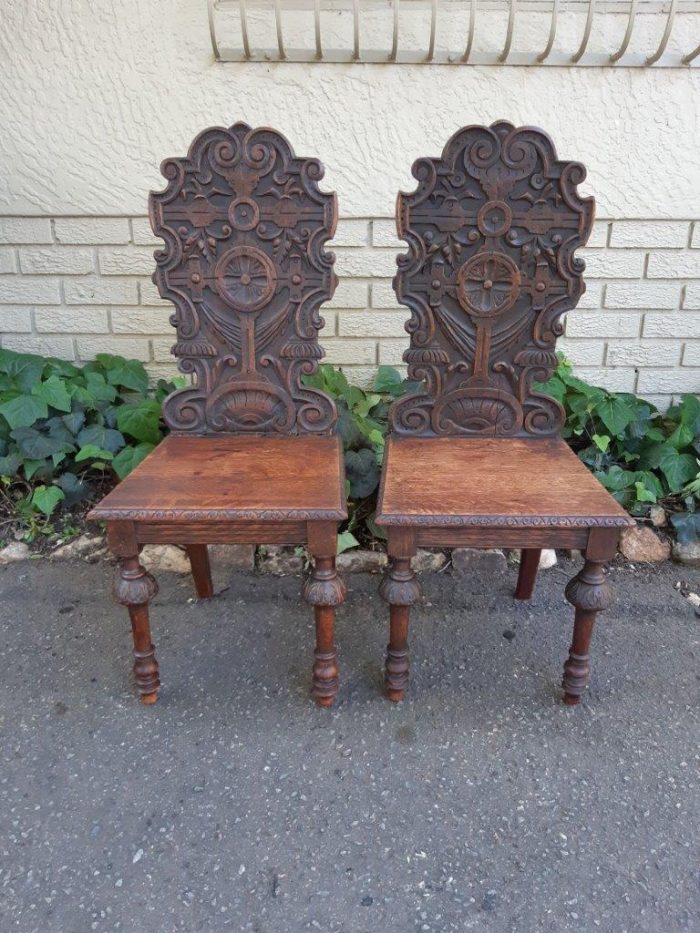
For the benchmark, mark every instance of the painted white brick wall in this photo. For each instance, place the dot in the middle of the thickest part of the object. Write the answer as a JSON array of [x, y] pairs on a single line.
[[77, 286]]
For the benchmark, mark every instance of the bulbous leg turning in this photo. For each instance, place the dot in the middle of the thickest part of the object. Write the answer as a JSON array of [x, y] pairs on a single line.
[[134, 587], [401, 590], [590, 593], [324, 590]]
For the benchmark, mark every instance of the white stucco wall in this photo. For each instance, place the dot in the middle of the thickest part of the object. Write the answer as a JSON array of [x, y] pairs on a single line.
[[95, 94]]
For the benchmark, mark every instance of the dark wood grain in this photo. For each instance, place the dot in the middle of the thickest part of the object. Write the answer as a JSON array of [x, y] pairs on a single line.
[[492, 231], [474, 459], [252, 457], [244, 224], [527, 572], [228, 477], [492, 482]]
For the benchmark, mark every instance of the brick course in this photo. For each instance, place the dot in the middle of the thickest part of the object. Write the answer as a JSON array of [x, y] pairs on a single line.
[[76, 286]]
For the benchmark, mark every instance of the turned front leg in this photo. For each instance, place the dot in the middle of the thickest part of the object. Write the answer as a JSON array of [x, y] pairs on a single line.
[[590, 593], [134, 587], [324, 590]]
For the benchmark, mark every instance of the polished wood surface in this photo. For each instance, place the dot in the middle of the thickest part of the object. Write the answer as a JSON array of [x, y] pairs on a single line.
[[475, 459], [232, 477], [492, 232], [491, 481], [245, 225], [252, 457]]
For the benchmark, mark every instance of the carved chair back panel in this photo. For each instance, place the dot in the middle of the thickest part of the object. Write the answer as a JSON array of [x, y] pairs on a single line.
[[492, 232], [244, 225]]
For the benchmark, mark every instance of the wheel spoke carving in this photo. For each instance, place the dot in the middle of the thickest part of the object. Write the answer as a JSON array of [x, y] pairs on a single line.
[[492, 230], [244, 224]]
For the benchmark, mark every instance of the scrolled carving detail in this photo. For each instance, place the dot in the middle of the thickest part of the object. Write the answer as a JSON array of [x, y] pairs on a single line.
[[492, 231], [245, 225]]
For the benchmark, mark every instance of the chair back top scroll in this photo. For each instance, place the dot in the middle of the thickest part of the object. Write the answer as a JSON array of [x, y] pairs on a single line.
[[244, 225], [492, 231]]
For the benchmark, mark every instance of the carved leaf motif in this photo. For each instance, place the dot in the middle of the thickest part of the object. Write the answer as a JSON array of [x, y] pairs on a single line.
[[492, 231], [244, 224]]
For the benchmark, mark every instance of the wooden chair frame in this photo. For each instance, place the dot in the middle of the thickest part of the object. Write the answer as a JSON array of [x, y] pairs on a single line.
[[252, 456], [492, 232]]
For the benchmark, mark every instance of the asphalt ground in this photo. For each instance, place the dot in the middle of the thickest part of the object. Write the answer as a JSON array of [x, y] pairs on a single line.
[[234, 803]]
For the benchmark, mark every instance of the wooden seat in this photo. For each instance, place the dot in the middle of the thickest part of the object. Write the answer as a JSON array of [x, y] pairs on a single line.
[[475, 459], [252, 456], [493, 483], [232, 479]]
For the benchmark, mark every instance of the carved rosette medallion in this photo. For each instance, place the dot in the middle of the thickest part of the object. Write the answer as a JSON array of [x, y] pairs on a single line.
[[494, 218], [488, 284], [492, 233], [246, 278], [244, 225]]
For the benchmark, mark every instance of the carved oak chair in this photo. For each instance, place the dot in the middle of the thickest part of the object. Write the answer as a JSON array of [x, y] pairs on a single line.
[[477, 460], [252, 456]]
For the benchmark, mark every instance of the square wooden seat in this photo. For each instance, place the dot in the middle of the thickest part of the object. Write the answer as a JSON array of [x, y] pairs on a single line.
[[231, 479], [518, 484]]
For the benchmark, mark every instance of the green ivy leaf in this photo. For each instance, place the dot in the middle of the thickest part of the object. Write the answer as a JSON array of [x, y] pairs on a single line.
[[54, 392], [91, 452], [602, 441], [130, 374], [643, 494], [74, 421], [687, 525], [24, 369], [75, 488], [34, 445], [362, 470], [10, 463], [347, 540], [98, 388], [388, 379], [100, 436], [615, 413], [141, 420], [678, 468], [23, 410], [46, 498], [129, 458], [41, 468]]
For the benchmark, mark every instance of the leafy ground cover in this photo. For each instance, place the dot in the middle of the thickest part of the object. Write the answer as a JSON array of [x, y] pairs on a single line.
[[68, 433]]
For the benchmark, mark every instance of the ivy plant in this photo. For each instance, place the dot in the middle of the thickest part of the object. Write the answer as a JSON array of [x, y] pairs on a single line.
[[64, 428], [642, 456], [362, 425]]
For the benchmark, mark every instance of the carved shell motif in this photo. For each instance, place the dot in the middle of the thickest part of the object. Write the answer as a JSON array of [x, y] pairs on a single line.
[[244, 224], [492, 232]]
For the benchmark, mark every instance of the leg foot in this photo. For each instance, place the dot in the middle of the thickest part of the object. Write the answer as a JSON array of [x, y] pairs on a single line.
[[201, 572], [133, 588], [401, 590], [590, 593], [529, 562], [324, 590]]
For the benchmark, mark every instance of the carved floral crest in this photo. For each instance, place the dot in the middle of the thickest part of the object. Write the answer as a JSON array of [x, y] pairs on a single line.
[[244, 225], [492, 232]]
